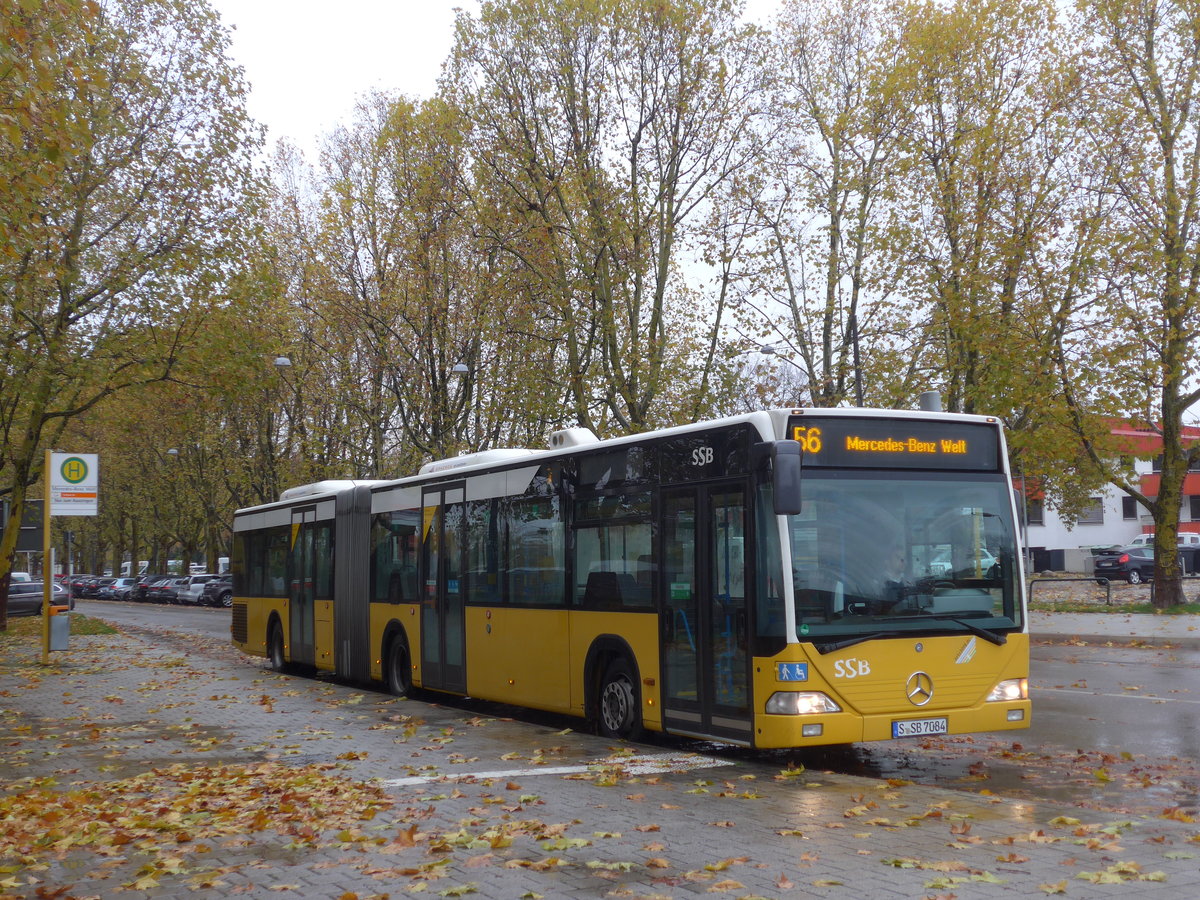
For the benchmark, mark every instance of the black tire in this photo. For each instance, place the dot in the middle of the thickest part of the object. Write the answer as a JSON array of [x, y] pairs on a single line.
[[1134, 576], [226, 599], [275, 649], [619, 711], [397, 671]]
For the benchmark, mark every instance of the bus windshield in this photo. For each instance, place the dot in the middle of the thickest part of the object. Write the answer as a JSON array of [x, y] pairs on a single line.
[[898, 552]]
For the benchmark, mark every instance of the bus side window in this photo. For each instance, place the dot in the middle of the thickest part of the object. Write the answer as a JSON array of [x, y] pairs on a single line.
[[769, 614], [394, 556], [536, 553]]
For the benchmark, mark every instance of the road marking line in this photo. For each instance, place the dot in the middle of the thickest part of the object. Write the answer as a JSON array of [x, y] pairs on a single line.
[[1130, 695], [631, 765]]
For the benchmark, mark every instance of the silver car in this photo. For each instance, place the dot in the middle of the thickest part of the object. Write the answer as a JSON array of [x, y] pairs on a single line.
[[191, 588]]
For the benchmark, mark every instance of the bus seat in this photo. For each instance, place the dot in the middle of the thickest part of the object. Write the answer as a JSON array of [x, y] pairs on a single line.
[[603, 590]]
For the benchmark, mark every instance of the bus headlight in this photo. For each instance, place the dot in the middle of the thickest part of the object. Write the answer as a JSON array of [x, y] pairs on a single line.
[[800, 703], [1013, 689]]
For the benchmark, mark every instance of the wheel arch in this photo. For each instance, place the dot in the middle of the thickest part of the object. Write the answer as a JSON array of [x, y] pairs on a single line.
[[394, 630], [275, 620], [395, 635], [603, 650]]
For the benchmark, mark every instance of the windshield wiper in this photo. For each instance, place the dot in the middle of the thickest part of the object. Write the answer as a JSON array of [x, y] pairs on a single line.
[[993, 636], [857, 639]]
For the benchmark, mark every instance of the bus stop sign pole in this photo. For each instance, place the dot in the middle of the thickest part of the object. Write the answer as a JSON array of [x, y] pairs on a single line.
[[47, 571], [72, 489]]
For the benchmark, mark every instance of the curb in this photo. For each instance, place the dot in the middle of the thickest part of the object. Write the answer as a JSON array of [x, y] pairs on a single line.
[[1149, 641]]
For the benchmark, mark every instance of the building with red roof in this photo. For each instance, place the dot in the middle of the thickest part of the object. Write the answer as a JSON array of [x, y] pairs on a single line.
[[1113, 518]]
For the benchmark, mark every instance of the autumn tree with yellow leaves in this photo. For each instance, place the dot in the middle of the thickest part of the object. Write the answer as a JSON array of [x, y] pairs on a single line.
[[127, 158]]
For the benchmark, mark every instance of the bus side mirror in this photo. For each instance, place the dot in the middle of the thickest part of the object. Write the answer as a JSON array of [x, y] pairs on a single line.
[[785, 463]]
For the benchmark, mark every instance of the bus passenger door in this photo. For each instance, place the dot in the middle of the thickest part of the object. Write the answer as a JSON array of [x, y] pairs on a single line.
[[443, 641], [704, 629], [301, 576]]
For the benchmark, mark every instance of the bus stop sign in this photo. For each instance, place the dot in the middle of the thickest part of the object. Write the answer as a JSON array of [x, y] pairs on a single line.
[[74, 484]]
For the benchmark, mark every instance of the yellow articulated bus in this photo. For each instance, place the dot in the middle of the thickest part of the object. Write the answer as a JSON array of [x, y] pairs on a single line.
[[783, 578]]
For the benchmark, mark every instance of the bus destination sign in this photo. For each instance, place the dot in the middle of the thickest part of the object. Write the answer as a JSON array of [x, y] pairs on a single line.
[[895, 443]]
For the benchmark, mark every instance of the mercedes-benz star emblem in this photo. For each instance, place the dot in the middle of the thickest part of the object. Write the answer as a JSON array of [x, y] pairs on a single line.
[[919, 688]]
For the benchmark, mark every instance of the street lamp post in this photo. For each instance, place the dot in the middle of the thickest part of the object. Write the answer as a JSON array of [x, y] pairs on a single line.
[[770, 350], [457, 408]]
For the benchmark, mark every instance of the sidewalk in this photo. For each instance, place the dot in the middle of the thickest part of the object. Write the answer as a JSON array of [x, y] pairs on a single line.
[[1130, 629], [150, 765]]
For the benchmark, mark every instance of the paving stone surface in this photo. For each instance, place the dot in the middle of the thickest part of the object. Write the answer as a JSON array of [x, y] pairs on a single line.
[[149, 764]]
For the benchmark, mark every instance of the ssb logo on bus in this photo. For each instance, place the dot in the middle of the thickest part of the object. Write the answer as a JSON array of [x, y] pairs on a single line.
[[851, 668], [703, 456]]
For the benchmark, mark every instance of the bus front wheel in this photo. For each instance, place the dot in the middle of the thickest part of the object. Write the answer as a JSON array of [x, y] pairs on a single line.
[[620, 714], [399, 670]]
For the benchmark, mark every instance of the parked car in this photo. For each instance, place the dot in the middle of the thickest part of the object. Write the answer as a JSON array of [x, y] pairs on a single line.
[[14, 577], [101, 584], [163, 590], [140, 591], [172, 588], [118, 589], [1188, 539], [218, 591], [1135, 564], [25, 598], [191, 588], [80, 583], [940, 564], [153, 587]]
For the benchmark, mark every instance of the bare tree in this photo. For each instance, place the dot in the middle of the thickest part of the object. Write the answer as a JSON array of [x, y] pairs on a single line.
[[605, 127]]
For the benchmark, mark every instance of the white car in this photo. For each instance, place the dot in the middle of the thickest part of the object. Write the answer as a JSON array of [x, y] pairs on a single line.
[[1190, 539], [191, 589], [940, 564], [19, 577]]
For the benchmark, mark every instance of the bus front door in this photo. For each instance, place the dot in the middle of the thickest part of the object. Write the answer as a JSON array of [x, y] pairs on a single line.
[[443, 656], [301, 577], [704, 629]]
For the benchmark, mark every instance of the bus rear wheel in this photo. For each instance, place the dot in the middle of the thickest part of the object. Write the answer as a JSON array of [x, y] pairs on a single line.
[[620, 713], [275, 648], [398, 671]]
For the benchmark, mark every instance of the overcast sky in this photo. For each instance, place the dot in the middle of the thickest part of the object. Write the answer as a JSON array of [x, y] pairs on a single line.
[[307, 60]]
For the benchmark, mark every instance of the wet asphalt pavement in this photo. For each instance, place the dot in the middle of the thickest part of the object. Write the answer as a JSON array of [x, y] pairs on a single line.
[[465, 801]]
